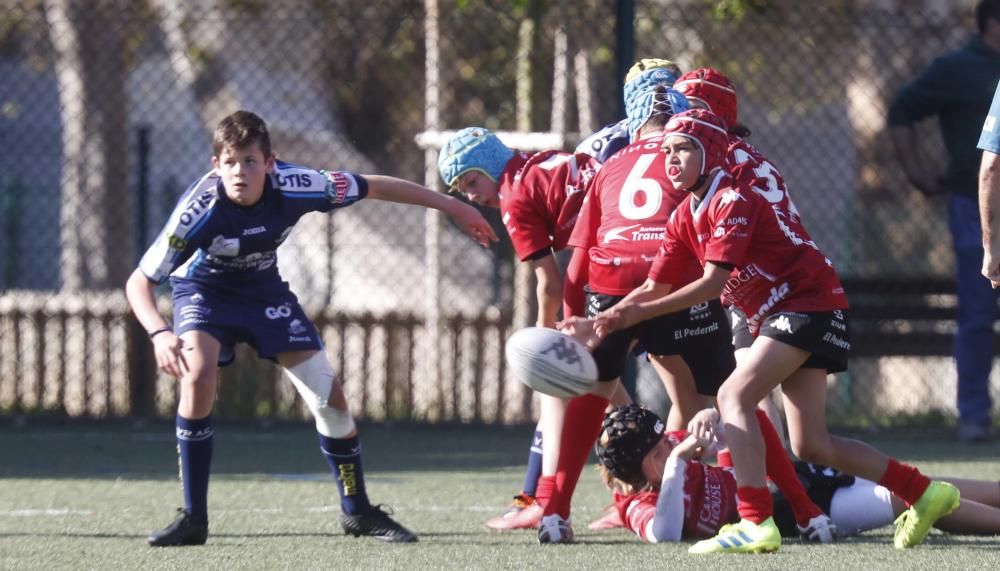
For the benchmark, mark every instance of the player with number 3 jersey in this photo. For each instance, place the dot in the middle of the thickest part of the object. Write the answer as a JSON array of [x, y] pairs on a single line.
[[756, 253]]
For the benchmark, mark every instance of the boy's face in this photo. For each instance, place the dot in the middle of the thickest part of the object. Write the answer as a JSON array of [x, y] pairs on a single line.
[[683, 161], [652, 464], [243, 173], [479, 188]]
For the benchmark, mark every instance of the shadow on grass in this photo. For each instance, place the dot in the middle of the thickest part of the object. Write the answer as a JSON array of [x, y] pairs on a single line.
[[90, 449], [100, 450]]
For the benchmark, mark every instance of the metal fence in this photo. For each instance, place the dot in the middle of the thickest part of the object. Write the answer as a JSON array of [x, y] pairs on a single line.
[[106, 113]]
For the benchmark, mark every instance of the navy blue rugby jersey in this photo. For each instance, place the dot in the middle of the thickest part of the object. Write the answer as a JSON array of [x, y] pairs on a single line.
[[606, 142], [212, 240]]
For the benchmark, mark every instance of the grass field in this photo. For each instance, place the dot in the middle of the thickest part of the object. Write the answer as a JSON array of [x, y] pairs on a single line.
[[84, 496]]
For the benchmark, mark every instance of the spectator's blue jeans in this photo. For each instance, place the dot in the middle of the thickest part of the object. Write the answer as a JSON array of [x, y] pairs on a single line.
[[977, 310]]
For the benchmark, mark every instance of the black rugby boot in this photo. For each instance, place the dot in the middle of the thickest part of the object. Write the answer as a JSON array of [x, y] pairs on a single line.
[[376, 523], [183, 531]]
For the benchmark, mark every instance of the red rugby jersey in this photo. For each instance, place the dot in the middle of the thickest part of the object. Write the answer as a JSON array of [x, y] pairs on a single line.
[[709, 502], [623, 216], [540, 197], [777, 266]]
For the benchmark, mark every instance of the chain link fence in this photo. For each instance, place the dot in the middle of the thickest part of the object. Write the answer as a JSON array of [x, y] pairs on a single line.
[[106, 114]]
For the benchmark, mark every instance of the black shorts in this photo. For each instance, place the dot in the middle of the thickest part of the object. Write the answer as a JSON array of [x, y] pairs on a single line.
[[700, 335], [742, 339], [820, 483], [826, 335]]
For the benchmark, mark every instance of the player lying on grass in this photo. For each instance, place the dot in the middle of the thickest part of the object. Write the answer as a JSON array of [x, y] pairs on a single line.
[[664, 492]]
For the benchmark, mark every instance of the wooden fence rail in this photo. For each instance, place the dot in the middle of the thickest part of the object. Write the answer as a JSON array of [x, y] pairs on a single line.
[[84, 355]]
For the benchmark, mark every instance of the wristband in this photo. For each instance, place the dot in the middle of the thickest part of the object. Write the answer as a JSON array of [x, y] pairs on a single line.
[[160, 330]]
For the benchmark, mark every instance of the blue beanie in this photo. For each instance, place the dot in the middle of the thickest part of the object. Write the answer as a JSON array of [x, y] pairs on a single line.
[[640, 97], [473, 148]]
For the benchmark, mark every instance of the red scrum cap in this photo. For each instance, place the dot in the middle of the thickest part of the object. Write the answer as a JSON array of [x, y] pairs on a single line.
[[712, 89], [708, 132]]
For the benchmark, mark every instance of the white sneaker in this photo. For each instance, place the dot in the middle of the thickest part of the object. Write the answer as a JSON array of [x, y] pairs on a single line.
[[554, 529], [820, 529]]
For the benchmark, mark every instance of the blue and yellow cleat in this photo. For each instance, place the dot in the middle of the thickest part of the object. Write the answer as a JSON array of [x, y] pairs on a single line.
[[913, 525], [742, 537]]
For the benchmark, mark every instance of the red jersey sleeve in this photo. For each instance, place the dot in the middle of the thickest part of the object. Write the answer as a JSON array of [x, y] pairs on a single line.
[[674, 258], [637, 511], [733, 214], [527, 223]]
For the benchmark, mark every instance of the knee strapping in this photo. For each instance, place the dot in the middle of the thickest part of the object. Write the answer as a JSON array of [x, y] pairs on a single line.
[[313, 378]]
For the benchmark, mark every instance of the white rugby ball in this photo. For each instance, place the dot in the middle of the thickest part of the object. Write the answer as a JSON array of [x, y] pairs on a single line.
[[551, 362]]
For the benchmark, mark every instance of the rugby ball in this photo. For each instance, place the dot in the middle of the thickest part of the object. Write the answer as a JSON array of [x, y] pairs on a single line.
[[551, 362]]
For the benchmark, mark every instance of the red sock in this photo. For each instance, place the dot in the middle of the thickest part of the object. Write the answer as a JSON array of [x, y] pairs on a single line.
[[782, 473], [580, 430], [905, 481], [755, 504], [543, 492]]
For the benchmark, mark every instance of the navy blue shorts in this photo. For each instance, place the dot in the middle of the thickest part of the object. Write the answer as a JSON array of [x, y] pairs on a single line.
[[700, 335], [270, 321]]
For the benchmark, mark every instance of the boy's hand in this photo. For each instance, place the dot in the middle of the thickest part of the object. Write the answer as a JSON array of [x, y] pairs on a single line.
[[581, 329], [689, 448], [702, 426], [169, 359], [472, 223], [621, 316]]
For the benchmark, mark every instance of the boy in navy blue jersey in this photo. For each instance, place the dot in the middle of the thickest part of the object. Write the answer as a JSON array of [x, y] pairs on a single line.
[[219, 249]]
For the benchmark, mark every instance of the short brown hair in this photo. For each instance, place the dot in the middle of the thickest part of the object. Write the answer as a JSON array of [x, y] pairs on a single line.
[[239, 130]]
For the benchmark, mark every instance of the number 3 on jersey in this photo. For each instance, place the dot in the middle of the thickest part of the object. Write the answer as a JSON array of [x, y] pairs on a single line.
[[638, 188], [775, 182]]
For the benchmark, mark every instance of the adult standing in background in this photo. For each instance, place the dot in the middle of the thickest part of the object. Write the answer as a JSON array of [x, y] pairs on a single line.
[[957, 88]]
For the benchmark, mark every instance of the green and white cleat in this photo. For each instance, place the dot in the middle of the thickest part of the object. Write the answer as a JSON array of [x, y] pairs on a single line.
[[742, 537], [913, 525]]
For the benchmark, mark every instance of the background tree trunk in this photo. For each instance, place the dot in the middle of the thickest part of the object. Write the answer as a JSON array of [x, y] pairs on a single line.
[[90, 70]]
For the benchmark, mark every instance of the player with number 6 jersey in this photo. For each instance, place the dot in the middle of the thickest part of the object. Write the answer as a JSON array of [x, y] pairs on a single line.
[[614, 243]]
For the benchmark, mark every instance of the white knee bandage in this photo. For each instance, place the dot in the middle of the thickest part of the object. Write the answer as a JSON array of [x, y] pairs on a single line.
[[313, 378]]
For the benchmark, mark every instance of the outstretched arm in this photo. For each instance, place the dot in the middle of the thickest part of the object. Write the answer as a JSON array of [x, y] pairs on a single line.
[[467, 218], [639, 308]]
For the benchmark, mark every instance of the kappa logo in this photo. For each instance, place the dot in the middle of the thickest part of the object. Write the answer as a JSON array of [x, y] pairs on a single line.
[[565, 352], [730, 196], [782, 324]]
